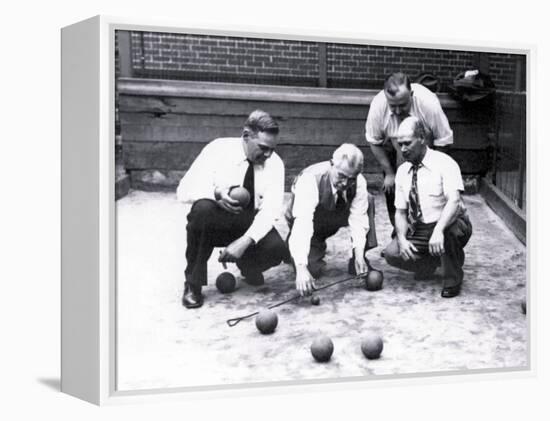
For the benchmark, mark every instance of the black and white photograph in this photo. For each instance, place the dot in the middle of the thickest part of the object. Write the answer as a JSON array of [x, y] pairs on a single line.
[[302, 210], [275, 210]]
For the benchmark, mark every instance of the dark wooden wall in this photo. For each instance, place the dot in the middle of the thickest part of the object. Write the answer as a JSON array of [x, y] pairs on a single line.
[[165, 124]]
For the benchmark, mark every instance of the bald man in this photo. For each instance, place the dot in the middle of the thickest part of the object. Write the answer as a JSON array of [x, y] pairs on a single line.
[[432, 227]]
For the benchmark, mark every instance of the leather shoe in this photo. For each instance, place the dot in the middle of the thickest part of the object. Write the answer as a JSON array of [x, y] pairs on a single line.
[[191, 298], [450, 292], [254, 279]]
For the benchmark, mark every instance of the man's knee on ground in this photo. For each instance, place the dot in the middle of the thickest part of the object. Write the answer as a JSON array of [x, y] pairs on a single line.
[[274, 248], [315, 269], [391, 254]]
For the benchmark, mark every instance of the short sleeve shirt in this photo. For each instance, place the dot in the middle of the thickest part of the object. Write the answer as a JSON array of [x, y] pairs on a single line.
[[382, 124], [438, 176]]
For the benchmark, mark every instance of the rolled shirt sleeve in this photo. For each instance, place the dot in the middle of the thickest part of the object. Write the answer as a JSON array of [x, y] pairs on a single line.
[[199, 180], [306, 199], [358, 218], [452, 177], [374, 126], [437, 121], [269, 197]]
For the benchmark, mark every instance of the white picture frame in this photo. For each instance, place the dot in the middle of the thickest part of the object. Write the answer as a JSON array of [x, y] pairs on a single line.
[[89, 217]]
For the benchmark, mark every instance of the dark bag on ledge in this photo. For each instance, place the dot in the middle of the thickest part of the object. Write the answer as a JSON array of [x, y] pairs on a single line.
[[471, 86]]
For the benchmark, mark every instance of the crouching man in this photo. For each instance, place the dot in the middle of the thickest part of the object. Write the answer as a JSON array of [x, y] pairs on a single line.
[[431, 224], [325, 197], [217, 220]]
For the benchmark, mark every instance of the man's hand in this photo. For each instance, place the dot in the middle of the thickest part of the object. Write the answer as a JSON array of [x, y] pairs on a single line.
[[436, 244], [360, 263], [407, 250], [227, 203], [389, 183], [236, 249], [305, 284]]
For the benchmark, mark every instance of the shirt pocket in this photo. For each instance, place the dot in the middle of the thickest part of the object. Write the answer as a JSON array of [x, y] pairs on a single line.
[[434, 187]]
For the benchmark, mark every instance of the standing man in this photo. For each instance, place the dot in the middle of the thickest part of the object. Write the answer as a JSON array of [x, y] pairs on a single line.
[[217, 220], [431, 224], [388, 109], [325, 197]]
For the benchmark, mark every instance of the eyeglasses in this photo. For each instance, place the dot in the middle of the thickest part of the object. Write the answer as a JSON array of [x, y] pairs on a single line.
[[343, 177]]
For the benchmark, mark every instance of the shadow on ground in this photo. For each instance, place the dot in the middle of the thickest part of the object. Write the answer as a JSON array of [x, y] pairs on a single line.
[[52, 383]]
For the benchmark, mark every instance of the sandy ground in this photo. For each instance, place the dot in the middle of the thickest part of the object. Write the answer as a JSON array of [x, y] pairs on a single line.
[[161, 344]]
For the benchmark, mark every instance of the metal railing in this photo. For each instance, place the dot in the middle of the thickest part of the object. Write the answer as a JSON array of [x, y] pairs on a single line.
[[509, 168]]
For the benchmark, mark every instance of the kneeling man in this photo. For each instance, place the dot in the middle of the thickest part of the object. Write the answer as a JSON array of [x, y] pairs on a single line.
[[431, 224], [217, 220], [325, 197]]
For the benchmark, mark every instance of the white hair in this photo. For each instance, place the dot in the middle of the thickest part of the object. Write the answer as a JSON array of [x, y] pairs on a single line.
[[349, 154]]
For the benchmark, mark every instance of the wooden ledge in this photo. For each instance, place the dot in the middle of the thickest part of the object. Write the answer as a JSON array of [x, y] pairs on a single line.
[[247, 92]]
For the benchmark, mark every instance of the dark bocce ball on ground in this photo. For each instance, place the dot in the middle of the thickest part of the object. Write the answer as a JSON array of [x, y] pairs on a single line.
[[266, 321], [372, 346], [374, 280], [315, 300], [226, 282], [241, 194], [322, 349]]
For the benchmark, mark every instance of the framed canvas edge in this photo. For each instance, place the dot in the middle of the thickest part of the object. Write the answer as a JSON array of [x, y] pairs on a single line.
[[107, 305]]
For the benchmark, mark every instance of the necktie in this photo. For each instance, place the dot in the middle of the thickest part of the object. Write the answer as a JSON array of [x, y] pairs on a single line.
[[248, 183], [340, 201], [415, 213]]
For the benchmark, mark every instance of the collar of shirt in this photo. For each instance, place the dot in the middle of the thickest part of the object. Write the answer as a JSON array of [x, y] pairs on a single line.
[[242, 156], [427, 161], [335, 193]]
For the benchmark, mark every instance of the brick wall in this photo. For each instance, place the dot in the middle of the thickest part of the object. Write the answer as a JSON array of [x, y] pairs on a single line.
[[226, 59], [367, 65], [252, 60]]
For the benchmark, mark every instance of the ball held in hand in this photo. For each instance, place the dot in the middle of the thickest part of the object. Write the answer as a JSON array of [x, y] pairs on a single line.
[[241, 195]]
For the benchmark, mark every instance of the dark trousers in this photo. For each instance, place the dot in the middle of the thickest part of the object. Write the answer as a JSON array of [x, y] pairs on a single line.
[[209, 226], [390, 196], [456, 237], [325, 225]]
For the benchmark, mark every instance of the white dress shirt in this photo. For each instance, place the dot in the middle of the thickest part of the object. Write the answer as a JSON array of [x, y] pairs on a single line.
[[382, 124], [306, 199], [438, 175], [222, 163]]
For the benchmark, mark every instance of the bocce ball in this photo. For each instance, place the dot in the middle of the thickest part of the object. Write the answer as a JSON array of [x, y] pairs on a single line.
[[241, 195], [374, 280], [524, 306], [372, 346], [315, 300], [322, 349], [266, 321], [226, 282]]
